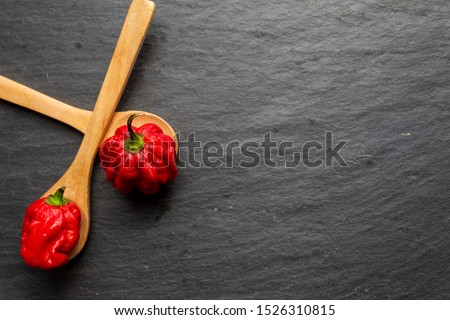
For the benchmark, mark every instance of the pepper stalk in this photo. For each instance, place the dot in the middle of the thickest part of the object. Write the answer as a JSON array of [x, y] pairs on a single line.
[[135, 142], [57, 199]]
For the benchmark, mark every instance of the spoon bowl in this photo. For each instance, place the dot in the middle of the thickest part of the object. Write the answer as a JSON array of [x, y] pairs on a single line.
[[120, 119]]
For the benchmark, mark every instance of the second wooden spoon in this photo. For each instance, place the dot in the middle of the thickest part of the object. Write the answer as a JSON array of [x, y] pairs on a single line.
[[77, 178], [75, 117]]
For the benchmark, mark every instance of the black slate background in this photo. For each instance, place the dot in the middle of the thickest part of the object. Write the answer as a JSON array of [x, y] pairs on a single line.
[[376, 73]]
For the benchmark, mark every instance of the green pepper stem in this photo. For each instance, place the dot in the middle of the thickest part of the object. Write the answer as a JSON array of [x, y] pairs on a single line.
[[130, 127], [134, 143], [57, 199]]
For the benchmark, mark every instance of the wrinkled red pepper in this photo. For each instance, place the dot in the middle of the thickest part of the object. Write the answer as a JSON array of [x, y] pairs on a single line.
[[50, 230], [142, 158]]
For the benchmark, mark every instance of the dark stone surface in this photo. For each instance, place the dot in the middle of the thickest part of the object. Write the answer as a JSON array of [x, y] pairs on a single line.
[[374, 72]]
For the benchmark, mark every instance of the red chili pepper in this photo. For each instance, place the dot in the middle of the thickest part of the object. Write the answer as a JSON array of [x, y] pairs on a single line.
[[142, 158], [50, 230]]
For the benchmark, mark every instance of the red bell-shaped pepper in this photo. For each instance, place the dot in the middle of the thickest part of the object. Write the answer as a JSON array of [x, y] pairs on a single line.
[[50, 230], [142, 158]]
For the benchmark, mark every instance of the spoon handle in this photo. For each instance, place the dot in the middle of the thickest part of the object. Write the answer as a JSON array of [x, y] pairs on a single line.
[[127, 49], [31, 99]]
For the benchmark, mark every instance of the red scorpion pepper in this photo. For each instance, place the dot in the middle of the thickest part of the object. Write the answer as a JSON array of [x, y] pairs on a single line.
[[50, 230], [142, 158]]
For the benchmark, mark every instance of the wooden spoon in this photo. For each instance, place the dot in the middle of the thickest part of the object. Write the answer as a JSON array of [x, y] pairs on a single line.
[[77, 118], [77, 177]]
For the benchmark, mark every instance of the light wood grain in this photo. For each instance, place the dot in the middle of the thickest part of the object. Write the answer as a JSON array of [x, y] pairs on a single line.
[[77, 177], [24, 96], [31, 99]]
